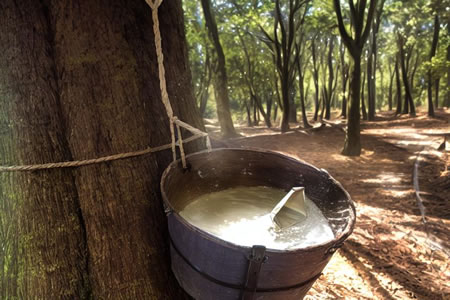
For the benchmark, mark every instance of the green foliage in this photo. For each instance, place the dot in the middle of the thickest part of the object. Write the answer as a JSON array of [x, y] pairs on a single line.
[[240, 22]]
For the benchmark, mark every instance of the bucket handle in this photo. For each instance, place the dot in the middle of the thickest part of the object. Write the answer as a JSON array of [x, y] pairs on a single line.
[[255, 261]]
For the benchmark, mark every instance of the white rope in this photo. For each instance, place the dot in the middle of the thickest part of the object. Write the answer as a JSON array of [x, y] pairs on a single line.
[[154, 5], [180, 144], [85, 162]]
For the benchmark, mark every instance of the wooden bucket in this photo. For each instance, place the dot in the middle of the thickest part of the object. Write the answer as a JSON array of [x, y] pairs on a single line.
[[210, 268]]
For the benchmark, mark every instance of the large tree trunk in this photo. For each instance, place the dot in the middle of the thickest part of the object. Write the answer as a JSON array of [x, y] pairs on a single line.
[[220, 77], [82, 82], [43, 249]]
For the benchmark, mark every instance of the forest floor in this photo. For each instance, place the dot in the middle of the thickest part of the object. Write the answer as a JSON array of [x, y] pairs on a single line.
[[392, 253]]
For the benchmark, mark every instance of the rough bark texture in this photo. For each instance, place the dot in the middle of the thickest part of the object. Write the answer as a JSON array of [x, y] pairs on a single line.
[[88, 86], [352, 146], [42, 234], [220, 78]]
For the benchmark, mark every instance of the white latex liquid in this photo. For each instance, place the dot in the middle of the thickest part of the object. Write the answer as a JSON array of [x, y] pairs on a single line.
[[241, 215]]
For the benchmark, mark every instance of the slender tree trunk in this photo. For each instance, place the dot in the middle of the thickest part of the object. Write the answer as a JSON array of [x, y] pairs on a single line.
[[323, 102], [447, 98], [391, 84], [399, 87], [409, 104], [269, 103], [379, 99], [302, 99], [98, 231], [292, 105], [249, 115], [434, 44], [363, 101], [285, 98], [315, 79], [258, 104], [203, 95], [275, 112], [370, 85], [255, 112], [220, 78], [330, 79], [436, 91], [203, 101]]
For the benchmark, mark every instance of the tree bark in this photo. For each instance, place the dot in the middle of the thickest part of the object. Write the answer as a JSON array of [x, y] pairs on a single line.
[[434, 44], [352, 145], [43, 249], [329, 94], [220, 78], [372, 63], [391, 85], [345, 71], [409, 104], [315, 79], [361, 26], [363, 101], [447, 98], [88, 87], [301, 88], [399, 87], [292, 105]]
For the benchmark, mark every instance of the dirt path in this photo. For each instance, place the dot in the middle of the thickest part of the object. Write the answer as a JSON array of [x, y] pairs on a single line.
[[391, 254]]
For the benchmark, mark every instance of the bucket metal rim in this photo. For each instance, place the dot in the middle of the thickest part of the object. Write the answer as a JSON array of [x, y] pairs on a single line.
[[332, 245]]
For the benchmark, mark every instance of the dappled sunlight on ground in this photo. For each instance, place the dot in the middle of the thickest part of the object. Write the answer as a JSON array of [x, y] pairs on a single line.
[[392, 254]]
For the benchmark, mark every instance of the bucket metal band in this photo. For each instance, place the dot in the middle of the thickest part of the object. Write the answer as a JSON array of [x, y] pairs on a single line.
[[237, 286]]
